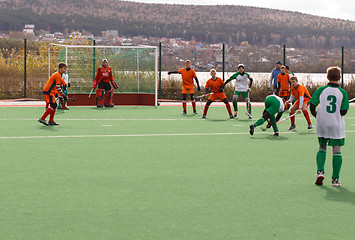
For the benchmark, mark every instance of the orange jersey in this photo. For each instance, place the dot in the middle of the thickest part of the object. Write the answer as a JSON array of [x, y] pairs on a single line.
[[187, 76], [103, 74], [215, 85], [53, 84], [284, 81], [300, 91]]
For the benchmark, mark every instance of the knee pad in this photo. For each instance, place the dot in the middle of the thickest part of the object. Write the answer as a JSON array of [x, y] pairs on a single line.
[[266, 115], [99, 97], [53, 105], [225, 101]]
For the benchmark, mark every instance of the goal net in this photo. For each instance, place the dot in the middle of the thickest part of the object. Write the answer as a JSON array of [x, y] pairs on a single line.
[[134, 68]]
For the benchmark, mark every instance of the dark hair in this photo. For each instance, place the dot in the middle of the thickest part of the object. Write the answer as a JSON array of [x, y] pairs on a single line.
[[287, 67], [61, 65], [334, 73], [294, 78]]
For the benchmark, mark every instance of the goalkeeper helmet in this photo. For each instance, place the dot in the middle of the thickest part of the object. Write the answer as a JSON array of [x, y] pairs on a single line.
[[104, 60], [241, 65]]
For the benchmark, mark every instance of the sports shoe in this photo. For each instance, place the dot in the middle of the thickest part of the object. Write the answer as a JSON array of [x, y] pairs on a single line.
[[320, 177], [235, 114], [184, 112], [252, 127], [292, 127], [310, 126], [203, 116], [43, 121], [66, 108], [100, 106], [195, 112], [249, 115], [335, 182], [53, 123], [275, 134], [59, 107], [231, 116]]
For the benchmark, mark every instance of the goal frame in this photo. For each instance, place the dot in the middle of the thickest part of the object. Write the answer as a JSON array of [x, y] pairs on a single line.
[[66, 46]]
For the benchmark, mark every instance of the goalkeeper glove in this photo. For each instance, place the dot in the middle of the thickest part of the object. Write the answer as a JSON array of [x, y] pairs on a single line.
[[114, 84]]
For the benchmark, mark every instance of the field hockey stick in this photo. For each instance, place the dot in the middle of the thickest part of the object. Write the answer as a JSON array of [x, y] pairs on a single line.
[[205, 95], [352, 100], [72, 99], [91, 92], [282, 120]]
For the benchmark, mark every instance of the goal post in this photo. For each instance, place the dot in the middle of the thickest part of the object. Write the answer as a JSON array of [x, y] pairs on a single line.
[[134, 69]]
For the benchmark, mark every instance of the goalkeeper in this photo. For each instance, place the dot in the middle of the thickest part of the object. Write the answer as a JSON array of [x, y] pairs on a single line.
[[273, 104], [102, 82]]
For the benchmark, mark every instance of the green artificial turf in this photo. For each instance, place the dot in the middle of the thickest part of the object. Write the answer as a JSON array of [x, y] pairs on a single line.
[[152, 173]]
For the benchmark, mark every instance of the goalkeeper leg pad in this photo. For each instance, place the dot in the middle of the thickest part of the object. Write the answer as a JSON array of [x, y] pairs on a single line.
[[109, 99], [99, 97]]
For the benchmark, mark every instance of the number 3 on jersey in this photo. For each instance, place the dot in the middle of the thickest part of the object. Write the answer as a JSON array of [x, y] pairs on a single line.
[[332, 104]]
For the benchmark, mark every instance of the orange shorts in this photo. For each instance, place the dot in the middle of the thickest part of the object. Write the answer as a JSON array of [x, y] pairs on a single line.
[[188, 89], [284, 93], [216, 96], [305, 101], [49, 98]]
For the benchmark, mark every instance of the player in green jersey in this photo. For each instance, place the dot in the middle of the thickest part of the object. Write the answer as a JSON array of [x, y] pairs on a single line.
[[273, 105], [333, 104]]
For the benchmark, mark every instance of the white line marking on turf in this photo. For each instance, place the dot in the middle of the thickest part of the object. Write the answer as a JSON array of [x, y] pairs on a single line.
[[151, 135], [107, 125], [238, 125]]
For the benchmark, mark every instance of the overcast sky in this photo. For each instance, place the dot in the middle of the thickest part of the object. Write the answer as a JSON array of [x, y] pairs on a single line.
[[343, 9]]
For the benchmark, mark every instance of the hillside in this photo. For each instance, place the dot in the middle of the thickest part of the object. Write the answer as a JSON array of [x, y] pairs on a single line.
[[230, 24]]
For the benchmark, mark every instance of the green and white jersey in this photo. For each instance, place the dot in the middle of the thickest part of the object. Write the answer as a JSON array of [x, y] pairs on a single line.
[[281, 102], [329, 122], [276, 103], [241, 84], [65, 77]]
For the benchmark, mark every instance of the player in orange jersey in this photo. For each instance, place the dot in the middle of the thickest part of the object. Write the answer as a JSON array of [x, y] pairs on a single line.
[[215, 84], [53, 87], [102, 82], [302, 96], [188, 75], [283, 83]]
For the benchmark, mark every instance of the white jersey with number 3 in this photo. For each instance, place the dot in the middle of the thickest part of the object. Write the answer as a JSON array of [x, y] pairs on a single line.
[[329, 122]]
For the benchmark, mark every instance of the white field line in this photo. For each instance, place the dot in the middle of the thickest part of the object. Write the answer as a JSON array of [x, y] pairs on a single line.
[[127, 119], [149, 135]]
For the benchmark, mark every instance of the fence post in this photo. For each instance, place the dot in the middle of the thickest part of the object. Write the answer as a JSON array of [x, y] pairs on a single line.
[[342, 66], [223, 62], [159, 70], [284, 59], [25, 67], [93, 61]]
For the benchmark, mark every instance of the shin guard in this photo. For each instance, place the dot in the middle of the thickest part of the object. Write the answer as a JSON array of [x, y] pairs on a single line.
[[99, 97], [109, 98]]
